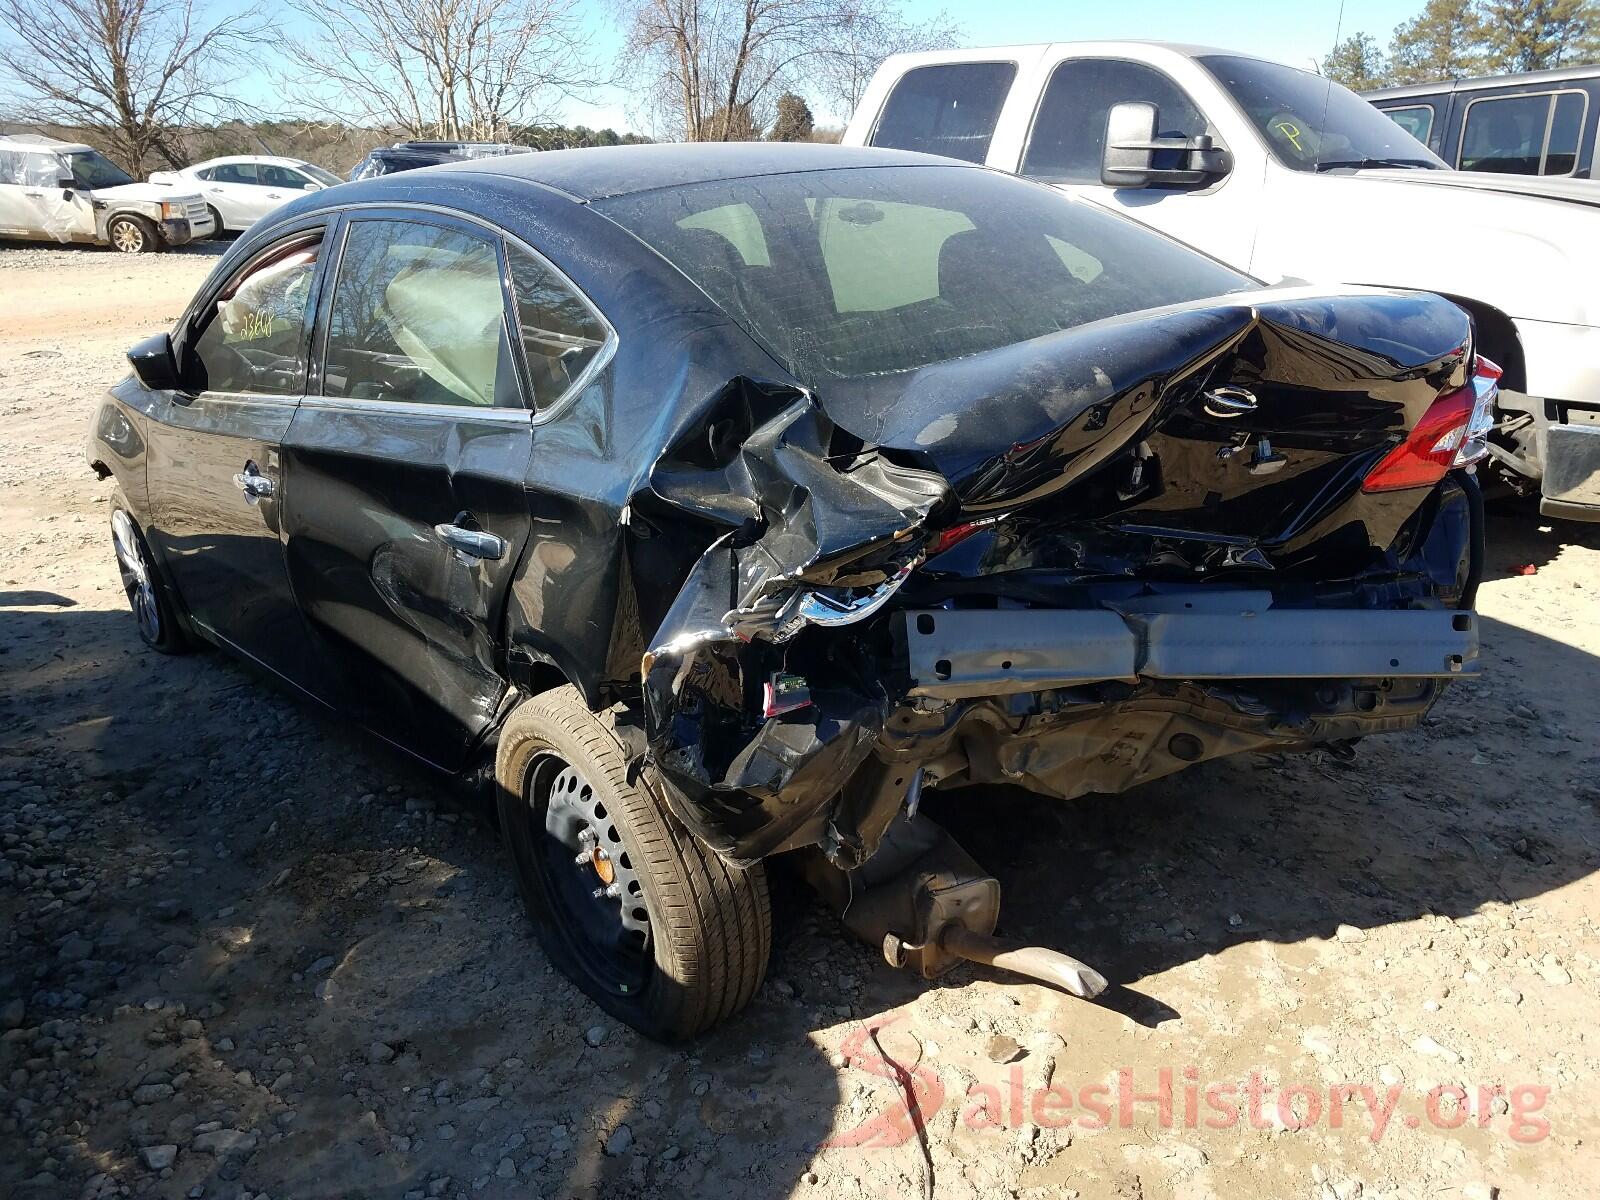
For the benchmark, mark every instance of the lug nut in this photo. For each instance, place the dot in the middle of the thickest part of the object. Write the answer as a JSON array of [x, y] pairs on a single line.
[[607, 893]]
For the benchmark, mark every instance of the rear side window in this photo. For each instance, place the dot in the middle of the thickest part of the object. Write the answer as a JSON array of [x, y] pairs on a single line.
[[1415, 119], [273, 175], [949, 109], [234, 173], [1523, 135], [560, 333], [1069, 134], [255, 340], [419, 317]]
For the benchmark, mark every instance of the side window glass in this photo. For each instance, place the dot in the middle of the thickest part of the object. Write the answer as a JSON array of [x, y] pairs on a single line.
[[1416, 119], [949, 109], [1566, 129], [272, 175], [1505, 135], [560, 333], [1069, 133], [42, 170], [206, 173], [255, 341], [234, 173], [419, 318]]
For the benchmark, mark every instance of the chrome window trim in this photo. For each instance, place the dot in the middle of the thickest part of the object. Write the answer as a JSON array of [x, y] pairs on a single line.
[[415, 409], [1550, 98], [1401, 108], [536, 417]]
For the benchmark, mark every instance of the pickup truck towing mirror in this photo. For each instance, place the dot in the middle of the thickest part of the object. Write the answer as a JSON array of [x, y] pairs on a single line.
[[1131, 145]]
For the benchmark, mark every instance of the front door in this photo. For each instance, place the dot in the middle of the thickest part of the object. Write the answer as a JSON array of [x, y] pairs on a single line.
[[1066, 145], [215, 459], [406, 513], [33, 203]]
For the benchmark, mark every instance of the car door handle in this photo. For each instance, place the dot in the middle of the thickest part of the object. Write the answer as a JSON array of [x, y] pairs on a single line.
[[472, 542], [254, 485]]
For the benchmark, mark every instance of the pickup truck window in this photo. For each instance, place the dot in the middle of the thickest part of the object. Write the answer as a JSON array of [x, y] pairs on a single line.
[[1069, 133], [1313, 124], [1506, 135], [870, 270], [949, 109], [1415, 119]]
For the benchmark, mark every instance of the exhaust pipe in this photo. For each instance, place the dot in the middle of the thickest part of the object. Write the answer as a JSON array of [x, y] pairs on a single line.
[[923, 900]]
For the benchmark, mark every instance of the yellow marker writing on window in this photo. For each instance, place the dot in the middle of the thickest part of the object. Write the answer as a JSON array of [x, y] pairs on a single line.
[[1292, 132]]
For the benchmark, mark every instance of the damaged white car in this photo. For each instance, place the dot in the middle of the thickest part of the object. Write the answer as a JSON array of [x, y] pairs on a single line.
[[69, 192]]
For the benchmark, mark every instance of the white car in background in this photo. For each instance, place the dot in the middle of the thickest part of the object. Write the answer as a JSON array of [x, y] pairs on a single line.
[[70, 192], [242, 189]]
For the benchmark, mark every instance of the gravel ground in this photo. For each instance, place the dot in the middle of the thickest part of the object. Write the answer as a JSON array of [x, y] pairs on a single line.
[[245, 952]]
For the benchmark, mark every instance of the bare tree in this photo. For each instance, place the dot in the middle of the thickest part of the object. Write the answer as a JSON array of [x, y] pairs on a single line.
[[442, 68], [697, 61], [131, 73], [866, 35]]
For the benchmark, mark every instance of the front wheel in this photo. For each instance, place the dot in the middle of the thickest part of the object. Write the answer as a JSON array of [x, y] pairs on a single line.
[[147, 594], [658, 930], [129, 234]]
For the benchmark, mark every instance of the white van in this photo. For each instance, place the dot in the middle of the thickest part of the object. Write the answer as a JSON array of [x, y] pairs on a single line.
[[69, 192], [1285, 175]]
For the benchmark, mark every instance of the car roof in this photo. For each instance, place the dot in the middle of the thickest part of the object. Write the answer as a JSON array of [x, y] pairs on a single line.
[[271, 159], [596, 172], [41, 142]]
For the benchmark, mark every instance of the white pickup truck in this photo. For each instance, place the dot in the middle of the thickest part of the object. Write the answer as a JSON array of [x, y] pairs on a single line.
[[1284, 175]]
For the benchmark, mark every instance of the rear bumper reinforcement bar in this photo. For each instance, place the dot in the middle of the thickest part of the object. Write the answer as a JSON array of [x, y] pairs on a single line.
[[957, 653]]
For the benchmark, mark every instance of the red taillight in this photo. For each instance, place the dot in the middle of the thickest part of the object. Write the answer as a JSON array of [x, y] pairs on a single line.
[[1452, 433], [946, 538]]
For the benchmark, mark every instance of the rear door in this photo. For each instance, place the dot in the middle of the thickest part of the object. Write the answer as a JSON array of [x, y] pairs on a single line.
[[230, 188], [215, 456], [407, 512]]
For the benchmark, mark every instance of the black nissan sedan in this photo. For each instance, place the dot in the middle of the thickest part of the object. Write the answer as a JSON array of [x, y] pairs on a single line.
[[729, 498]]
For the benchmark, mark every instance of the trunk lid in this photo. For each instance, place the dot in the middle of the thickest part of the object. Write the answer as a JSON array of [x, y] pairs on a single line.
[[1230, 417]]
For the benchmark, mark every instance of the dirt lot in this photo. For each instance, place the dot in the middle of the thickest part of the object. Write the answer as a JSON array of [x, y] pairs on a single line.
[[245, 952]]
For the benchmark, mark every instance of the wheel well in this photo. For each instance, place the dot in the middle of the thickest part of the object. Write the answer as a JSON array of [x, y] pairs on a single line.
[[1497, 337]]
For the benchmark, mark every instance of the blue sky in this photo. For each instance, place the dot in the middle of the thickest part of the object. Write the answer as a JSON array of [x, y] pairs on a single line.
[[1296, 33]]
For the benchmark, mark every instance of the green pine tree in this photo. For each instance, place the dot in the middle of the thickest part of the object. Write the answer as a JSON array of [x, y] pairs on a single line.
[[1357, 63], [1444, 41], [1536, 35]]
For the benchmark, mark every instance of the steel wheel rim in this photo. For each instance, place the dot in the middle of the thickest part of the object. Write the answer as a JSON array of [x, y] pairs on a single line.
[[135, 573], [609, 935], [127, 237]]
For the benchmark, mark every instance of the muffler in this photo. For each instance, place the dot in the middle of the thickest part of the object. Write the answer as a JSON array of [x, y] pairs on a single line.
[[928, 905]]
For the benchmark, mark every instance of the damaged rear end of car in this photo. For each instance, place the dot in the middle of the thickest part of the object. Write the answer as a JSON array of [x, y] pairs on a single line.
[[1076, 564]]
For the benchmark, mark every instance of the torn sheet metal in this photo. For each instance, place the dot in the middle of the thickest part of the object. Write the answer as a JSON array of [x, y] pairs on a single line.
[[1098, 450]]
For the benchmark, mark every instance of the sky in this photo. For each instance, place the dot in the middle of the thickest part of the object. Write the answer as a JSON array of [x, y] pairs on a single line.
[[1297, 33]]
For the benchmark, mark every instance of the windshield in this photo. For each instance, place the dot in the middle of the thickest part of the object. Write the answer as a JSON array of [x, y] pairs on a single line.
[[91, 169], [325, 177], [1312, 123], [862, 271]]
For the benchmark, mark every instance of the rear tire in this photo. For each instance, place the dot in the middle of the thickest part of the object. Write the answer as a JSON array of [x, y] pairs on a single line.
[[131, 234], [682, 941]]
